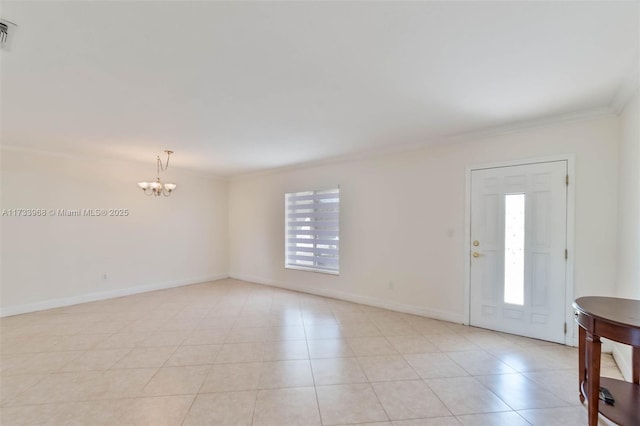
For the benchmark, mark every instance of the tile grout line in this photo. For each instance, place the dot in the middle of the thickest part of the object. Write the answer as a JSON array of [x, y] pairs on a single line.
[[313, 377]]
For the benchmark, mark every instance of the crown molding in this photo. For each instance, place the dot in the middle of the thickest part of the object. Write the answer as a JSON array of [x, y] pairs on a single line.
[[439, 140], [527, 125], [34, 151], [517, 127], [627, 88], [104, 159], [356, 156]]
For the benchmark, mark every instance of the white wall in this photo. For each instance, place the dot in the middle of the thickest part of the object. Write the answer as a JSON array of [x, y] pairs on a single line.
[[413, 202], [402, 218], [628, 282], [53, 261]]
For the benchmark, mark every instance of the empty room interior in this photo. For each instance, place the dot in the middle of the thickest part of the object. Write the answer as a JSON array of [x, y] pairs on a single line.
[[319, 213]]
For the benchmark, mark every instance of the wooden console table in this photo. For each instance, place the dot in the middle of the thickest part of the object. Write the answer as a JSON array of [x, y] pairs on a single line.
[[617, 320]]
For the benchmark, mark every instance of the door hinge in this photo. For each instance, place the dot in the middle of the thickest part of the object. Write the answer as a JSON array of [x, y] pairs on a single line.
[[566, 253], [565, 328], [567, 180]]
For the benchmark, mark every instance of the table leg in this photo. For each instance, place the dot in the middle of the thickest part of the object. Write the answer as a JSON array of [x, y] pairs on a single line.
[[593, 376], [582, 372]]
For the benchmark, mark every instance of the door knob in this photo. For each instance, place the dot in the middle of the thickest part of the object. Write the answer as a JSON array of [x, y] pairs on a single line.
[[476, 254], [476, 243]]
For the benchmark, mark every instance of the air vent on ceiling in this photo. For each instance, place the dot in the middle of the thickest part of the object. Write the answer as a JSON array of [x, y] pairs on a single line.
[[7, 30]]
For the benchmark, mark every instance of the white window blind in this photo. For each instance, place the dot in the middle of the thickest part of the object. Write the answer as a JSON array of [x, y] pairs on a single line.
[[312, 228]]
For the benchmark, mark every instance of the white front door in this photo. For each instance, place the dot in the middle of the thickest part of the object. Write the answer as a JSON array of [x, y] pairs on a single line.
[[518, 249]]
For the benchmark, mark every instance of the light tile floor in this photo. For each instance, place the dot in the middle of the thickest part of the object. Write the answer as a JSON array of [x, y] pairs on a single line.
[[236, 353]]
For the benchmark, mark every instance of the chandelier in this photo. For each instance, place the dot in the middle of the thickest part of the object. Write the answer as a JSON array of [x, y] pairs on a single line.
[[157, 188]]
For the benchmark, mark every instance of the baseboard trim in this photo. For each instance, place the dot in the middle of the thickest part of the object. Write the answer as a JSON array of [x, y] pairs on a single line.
[[356, 298], [102, 295], [623, 362]]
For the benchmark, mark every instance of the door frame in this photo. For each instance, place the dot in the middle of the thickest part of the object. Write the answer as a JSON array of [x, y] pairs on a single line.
[[570, 337]]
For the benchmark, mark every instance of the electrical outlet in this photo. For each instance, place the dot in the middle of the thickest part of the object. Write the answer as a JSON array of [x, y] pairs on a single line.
[[104, 276]]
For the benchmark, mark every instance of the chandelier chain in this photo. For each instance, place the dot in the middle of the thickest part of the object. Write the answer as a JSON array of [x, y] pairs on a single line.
[[158, 188]]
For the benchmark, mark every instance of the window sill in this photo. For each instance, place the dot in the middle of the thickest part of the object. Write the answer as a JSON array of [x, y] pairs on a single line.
[[303, 268]]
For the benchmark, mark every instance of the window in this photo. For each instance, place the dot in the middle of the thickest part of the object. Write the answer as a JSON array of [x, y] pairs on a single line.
[[312, 230], [514, 249]]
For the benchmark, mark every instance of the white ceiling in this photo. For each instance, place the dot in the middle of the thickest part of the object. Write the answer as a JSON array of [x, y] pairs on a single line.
[[237, 87]]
